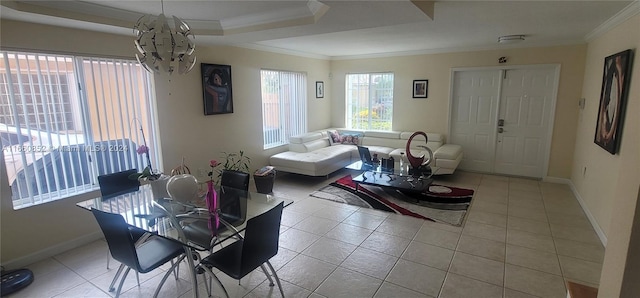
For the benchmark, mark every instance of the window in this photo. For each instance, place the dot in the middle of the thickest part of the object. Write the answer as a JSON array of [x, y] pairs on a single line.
[[65, 120], [369, 99], [284, 106]]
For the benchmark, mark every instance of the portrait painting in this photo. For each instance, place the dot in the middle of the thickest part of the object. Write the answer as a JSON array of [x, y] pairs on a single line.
[[613, 98], [420, 88], [216, 88]]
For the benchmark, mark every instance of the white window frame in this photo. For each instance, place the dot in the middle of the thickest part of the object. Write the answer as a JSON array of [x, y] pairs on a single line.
[[366, 100], [289, 115], [97, 87]]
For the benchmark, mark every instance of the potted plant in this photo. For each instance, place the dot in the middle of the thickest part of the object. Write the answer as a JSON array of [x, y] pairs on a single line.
[[230, 161]]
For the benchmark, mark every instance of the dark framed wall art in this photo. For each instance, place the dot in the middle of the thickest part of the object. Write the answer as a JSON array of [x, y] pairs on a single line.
[[217, 93], [420, 88], [319, 89], [613, 100]]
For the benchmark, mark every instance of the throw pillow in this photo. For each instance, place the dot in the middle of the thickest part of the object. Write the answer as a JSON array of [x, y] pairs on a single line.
[[350, 139], [334, 137]]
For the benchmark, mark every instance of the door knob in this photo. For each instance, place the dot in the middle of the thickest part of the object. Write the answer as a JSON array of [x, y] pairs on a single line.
[[500, 130]]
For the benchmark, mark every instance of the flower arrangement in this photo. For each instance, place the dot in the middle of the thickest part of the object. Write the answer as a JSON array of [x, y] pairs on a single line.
[[147, 173], [232, 161]]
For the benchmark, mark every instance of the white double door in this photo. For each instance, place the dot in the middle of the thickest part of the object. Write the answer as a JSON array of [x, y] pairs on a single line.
[[502, 118]]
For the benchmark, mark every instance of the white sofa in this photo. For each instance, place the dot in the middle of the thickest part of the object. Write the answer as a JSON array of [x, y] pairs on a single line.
[[313, 154]]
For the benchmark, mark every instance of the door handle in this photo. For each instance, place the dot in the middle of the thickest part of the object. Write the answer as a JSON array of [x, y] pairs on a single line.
[[500, 130]]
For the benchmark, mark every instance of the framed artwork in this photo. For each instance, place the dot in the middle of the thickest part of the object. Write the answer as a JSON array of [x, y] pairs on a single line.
[[217, 93], [319, 89], [613, 100], [420, 88]]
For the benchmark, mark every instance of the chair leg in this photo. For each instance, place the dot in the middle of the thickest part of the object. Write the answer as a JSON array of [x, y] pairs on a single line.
[[115, 278], [122, 281], [208, 271], [277, 279], [267, 274], [164, 278]]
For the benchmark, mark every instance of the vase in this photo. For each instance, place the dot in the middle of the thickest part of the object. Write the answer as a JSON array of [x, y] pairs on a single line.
[[212, 205], [159, 187]]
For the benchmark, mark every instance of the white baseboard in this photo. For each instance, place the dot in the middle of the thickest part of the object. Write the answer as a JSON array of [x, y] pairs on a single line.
[[592, 219], [52, 251]]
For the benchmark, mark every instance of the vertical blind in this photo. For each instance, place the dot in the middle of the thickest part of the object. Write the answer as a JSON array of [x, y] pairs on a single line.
[[65, 120], [284, 106], [369, 101]]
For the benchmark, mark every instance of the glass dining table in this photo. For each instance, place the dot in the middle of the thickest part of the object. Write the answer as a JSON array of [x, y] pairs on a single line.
[[160, 215]]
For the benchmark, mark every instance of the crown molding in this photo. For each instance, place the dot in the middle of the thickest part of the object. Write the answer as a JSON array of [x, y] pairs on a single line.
[[629, 11]]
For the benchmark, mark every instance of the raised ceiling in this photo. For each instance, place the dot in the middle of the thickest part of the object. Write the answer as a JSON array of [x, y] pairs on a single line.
[[344, 29]]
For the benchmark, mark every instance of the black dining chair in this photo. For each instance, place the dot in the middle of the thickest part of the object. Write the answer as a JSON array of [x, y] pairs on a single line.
[[257, 247], [232, 183], [235, 179], [115, 184], [118, 183], [142, 257]]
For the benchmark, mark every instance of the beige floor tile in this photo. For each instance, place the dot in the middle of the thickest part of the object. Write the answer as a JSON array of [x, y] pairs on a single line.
[[364, 220], [530, 240], [488, 206], [481, 247], [329, 250], [389, 290], [533, 259], [493, 219], [417, 277], [384, 243], [528, 225], [481, 230], [524, 212], [337, 213], [509, 293], [263, 290], [486, 197], [437, 237], [51, 284], [478, 268], [580, 269], [399, 228], [576, 221], [306, 272], [575, 234], [316, 225], [348, 233], [360, 285], [296, 240], [442, 226], [370, 262], [588, 252], [291, 218], [534, 282], [457, 286], [84, 290], [284, 256], [429, 255], [533, 205]]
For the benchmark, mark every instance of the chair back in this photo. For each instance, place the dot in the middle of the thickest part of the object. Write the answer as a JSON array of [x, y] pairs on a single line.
[[235, 179], [261, 238], [118, 235], [118, 183]]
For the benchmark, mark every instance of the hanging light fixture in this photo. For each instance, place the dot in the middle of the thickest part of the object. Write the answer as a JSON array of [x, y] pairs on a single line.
[[162, 47]]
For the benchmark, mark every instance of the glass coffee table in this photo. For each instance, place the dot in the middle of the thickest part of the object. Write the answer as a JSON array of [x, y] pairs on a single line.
[[396, 178]]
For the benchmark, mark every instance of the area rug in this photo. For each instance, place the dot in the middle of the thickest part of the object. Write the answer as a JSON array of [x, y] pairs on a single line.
[[443, 204]]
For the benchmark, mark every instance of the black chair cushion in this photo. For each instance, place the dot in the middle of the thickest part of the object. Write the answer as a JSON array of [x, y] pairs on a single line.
[[235, 179], [156, 251]]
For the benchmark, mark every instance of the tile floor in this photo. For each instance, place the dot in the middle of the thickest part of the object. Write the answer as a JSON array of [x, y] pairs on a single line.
[[520, 238]]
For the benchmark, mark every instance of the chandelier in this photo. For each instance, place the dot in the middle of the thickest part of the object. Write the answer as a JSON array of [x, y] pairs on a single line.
[[162, 47]]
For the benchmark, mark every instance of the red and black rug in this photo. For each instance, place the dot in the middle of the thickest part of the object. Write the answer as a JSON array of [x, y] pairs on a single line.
[[441, 204]]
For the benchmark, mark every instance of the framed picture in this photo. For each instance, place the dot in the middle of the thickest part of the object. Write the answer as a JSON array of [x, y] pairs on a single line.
[[420, 88], [217, 93], [613, 100], [319, 89]]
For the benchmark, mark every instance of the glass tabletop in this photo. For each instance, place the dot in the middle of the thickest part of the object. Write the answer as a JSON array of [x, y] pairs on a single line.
[[396, 170], [158, 216]]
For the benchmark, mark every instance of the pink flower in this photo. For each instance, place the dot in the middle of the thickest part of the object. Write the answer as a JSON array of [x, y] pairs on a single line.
[[143, 149], [214, 163]]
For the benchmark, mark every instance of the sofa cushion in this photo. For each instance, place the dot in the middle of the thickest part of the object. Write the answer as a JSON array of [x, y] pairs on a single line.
[[334, 137], [314, 161], [305, 137], [448, 151]]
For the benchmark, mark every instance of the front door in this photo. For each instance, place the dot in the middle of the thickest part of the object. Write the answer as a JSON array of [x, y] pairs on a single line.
[[502, 119]]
